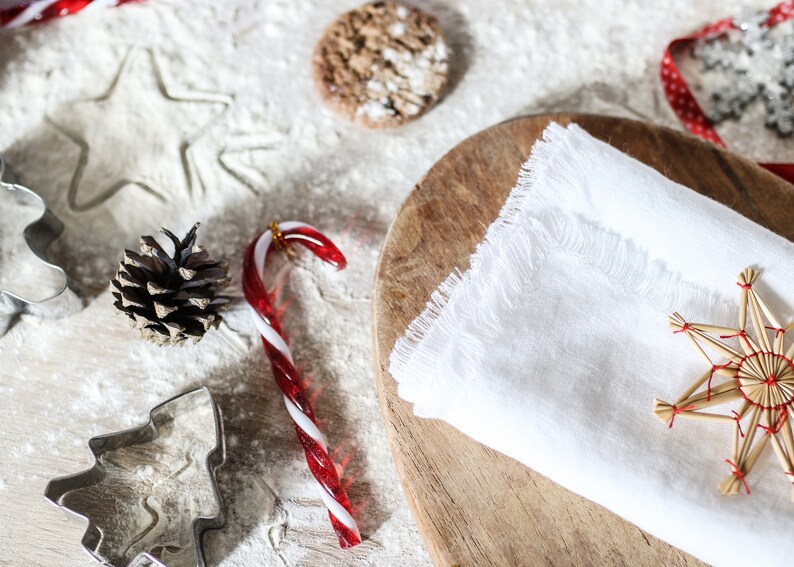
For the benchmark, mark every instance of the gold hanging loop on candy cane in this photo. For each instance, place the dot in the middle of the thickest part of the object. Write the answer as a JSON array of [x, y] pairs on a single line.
[[279, 241]]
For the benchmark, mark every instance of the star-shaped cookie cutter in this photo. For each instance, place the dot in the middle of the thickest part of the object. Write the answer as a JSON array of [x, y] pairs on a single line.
[[38, 236], [105, 447]]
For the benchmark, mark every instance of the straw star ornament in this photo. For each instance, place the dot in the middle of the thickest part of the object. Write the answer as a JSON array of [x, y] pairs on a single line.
[[760, 375]]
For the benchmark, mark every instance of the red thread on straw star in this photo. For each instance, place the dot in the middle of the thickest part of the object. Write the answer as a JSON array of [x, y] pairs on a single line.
[[738, 420], [677, 411], [738, 474], [759, 374]]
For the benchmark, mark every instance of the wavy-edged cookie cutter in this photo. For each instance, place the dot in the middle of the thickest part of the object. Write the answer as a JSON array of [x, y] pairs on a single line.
[[38, 236], [147, 486]]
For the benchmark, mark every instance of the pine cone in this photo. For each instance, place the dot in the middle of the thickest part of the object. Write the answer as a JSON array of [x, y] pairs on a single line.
[[171, 298]]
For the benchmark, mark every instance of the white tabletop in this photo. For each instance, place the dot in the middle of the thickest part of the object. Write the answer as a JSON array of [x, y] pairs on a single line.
[[231, 82]]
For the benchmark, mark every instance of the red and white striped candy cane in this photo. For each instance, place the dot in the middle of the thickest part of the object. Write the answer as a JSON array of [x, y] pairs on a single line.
[[284, 371], [22, 13]]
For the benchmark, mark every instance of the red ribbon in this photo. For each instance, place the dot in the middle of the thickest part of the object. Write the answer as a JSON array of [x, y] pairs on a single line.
[[683, 102]]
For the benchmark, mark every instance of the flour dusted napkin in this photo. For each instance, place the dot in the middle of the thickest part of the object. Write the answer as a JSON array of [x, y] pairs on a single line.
[[553, 345]]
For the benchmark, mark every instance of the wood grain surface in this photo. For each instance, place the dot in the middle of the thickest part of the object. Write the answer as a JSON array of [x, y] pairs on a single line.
[[473, 505]]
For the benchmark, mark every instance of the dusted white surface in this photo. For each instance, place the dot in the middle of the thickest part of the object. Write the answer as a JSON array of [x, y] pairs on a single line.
[[553, 345], [263, 146]]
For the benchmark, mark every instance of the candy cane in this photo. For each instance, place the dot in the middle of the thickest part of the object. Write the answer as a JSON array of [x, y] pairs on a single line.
[[24, 13], [284, 371]]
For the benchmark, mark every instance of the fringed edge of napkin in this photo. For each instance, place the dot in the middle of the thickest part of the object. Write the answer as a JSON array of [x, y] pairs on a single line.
[[606, 251], [430, 318]]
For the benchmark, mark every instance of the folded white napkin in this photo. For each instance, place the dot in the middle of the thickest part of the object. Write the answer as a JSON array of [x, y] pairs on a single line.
[[553, 345]]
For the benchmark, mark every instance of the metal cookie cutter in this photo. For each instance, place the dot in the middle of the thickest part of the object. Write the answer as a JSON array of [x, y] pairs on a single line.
[[151, 493], [38, 236]]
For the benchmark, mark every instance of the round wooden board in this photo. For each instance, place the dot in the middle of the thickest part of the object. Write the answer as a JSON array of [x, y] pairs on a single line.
[[475, 506]]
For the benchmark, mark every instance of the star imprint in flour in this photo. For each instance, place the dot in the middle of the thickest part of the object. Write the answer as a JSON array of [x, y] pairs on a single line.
[[242, 157], [138, 133], [760, 376]]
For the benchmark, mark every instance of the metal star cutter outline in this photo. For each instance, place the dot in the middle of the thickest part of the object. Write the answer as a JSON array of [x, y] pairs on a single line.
[[760, 375]]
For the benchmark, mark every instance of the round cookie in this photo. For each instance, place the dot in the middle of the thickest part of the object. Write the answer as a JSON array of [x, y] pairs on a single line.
[[382, 64]]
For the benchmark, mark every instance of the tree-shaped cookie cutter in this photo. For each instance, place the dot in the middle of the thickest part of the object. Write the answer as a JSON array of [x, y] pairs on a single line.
[[38, 236], [118, 540]]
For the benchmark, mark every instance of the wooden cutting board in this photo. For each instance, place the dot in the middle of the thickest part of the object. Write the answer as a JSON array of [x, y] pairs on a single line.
[[474, 506]]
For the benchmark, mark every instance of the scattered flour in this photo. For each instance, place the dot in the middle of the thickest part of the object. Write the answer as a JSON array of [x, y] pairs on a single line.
[[270, 149]]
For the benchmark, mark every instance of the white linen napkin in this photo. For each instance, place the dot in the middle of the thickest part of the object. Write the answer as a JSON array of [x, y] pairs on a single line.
[[553, 345]]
